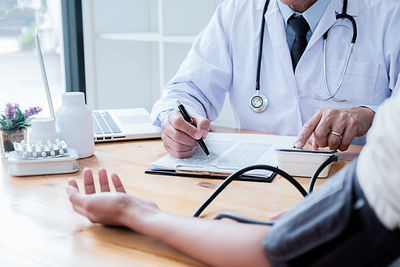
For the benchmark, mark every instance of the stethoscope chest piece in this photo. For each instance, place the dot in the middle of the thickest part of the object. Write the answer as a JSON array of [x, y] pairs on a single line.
[[259, 102]]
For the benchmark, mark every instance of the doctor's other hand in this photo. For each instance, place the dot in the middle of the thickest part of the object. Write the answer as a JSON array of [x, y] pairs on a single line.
[[336, 128], [180, 137], [108, 208]]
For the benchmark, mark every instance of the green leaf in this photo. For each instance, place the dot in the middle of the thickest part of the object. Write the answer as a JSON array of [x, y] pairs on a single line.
[[3, 125], [9, 126], [28, 122], [19, 111]]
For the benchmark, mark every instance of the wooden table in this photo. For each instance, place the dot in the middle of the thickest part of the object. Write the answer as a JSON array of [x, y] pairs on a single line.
[[39, 227]]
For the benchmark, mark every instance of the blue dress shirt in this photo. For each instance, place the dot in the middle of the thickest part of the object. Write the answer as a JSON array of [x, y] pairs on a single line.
[[312, 15]]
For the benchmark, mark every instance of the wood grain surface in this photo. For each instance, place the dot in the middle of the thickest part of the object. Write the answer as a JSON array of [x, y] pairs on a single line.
[[39, 227]]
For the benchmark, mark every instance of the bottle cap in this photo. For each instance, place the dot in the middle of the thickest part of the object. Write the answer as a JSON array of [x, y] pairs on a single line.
[[42, 129], [73, 98], [43, 125]]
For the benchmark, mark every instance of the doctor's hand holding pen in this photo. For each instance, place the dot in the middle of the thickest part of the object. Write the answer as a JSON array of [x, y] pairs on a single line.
[[335, 128], [180, 137]]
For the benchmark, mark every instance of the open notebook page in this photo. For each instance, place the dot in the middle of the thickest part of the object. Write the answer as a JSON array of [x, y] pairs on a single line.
[[228, 153]]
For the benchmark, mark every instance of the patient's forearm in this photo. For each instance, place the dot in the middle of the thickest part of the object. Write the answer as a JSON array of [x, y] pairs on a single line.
[[216, 243]]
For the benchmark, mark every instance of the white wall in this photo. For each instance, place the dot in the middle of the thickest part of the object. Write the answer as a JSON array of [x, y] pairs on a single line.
[[133, 47]]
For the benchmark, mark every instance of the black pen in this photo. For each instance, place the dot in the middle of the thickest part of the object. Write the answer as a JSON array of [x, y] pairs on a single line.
[[187, 118]]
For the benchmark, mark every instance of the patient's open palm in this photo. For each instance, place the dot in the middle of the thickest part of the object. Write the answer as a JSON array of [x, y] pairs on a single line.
[[102, 208], [107, 207]]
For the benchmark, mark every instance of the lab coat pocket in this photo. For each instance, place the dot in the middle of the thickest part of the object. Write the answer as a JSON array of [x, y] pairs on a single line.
[[359, 81]]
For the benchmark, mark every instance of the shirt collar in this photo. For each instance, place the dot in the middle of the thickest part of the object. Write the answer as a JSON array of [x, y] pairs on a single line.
[[312, 15]]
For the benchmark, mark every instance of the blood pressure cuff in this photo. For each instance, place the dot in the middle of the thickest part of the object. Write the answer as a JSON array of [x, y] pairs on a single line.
[[333, 226]]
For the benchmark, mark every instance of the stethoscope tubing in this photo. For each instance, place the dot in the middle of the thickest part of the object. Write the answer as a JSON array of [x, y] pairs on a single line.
[[343, 15], [331, 96], [260, 47]]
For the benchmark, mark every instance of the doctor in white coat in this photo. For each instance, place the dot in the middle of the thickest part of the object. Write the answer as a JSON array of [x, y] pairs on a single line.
[[223, 61]]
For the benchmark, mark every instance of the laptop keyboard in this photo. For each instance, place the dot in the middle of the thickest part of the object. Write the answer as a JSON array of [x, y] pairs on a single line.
[[103, 123]]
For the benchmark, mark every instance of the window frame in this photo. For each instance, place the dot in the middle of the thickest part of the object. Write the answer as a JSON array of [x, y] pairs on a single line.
[[74, 58]]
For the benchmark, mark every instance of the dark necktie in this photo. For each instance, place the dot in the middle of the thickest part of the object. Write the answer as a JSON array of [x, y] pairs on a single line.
[[300, 27]]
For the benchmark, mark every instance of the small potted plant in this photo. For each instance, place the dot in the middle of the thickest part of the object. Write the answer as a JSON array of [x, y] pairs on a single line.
[[13, 124]]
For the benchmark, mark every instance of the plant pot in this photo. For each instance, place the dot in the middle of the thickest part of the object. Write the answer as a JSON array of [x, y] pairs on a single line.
[[9, 138]]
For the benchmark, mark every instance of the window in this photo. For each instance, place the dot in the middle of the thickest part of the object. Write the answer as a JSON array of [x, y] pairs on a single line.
[[20, 76]]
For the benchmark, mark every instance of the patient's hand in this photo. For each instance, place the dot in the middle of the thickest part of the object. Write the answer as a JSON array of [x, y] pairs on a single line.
[[213, 242], [109, 208]]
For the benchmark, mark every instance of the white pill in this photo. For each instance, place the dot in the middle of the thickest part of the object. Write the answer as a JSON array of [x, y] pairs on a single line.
[[34, 154], [61, 151], [41, 147], [51, 146], [59, 145], [44, 154], [33, 147], [52, 153], [25, 154], [24, 147]]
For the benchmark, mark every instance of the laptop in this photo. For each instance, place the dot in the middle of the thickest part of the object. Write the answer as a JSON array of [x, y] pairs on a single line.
[[123, 124], [112, 124]]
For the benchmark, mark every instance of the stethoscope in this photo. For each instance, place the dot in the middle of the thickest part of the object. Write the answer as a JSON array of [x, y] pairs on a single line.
[[259, 102]]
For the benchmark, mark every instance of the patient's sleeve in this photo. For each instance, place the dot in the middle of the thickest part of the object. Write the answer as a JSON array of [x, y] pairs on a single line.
[[333, 226]]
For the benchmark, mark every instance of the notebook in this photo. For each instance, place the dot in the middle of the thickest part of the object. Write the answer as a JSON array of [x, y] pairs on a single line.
[[228, 153], [123, 124]]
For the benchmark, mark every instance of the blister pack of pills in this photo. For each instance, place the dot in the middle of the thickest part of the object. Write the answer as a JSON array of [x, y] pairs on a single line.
[[41, 158], [41, 149]]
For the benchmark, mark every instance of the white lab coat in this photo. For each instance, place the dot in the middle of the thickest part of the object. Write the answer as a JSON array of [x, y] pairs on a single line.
[[223, 61]]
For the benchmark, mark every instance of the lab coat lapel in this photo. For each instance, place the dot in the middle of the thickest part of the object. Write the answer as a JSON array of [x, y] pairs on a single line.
[[327, 20], [277, 33]]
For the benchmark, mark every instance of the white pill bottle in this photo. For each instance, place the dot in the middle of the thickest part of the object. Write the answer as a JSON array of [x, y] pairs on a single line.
[[74, 123]]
